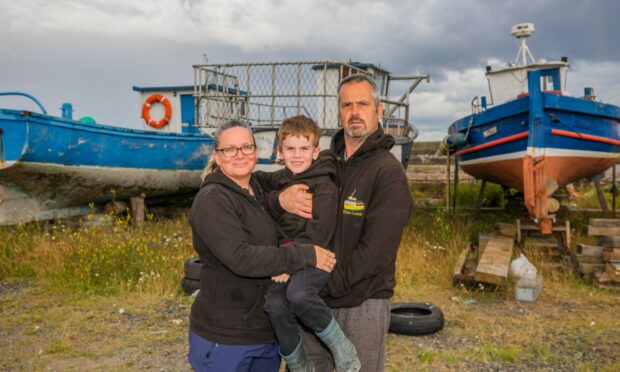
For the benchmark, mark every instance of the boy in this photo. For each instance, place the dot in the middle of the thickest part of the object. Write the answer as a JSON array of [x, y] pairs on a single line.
[[298, 298]]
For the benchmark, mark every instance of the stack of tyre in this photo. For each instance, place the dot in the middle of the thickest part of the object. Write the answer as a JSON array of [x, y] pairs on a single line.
[[406, 318], [191, 282]]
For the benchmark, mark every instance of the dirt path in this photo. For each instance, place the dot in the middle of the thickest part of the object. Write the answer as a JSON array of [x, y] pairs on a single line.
[[489, 332]]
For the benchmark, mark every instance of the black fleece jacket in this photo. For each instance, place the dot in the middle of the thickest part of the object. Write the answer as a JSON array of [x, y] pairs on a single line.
[[319, 177], [237, 243], [375, 204]]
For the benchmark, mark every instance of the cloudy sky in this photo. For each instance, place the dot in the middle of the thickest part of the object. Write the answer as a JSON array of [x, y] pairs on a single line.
[[91, 52]]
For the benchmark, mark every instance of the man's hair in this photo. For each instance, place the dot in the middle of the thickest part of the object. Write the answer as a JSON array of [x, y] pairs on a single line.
[[211, 164], [358, 78], [299, 125]]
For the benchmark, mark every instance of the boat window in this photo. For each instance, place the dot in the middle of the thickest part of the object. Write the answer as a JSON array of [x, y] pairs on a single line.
[[546, 83]]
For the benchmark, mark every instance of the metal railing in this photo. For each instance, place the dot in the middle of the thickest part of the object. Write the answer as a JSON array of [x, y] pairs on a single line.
[[263, 94]]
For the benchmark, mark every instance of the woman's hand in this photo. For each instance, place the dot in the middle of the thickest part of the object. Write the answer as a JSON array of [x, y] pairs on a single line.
[[325, 259], [297, 199], [282, 278]]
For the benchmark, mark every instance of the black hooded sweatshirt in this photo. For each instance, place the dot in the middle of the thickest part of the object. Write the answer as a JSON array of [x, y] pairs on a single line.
[[374, 206], [237, 243]]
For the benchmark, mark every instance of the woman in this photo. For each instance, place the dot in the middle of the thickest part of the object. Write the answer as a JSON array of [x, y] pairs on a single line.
[[237, 243]]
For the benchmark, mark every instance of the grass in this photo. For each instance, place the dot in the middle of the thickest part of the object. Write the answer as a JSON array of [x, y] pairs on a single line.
[[75, 297], [97, 260]]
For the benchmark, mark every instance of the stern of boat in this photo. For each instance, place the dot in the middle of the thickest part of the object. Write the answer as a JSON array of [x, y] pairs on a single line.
[[13, 137]]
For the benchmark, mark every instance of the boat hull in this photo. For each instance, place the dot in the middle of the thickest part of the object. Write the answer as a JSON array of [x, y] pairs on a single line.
[[539, 142], [53, 167]]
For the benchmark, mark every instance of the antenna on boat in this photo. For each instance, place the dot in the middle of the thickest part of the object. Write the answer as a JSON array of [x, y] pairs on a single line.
[[522, 31]]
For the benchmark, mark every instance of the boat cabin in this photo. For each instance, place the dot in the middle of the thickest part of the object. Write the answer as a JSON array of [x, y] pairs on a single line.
[[509, 83]]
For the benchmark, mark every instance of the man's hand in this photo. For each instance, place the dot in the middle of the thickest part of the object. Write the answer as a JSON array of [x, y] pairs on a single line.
[[297, 199], [325, 259], [282, 278]]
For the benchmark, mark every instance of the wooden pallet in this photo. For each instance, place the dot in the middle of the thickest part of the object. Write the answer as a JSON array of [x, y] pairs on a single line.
[[489, 261], [602, 262]]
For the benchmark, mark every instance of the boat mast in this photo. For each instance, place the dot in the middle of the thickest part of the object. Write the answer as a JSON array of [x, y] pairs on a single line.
[[522, 31]]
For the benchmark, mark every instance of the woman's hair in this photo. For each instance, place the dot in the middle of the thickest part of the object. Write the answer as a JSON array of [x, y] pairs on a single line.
[[211, 164]]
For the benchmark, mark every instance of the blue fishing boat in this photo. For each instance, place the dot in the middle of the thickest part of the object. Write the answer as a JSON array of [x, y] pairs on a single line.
[[55, 166], [535, 138]]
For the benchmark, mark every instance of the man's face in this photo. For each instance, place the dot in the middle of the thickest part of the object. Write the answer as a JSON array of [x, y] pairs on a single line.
[[358, 113]]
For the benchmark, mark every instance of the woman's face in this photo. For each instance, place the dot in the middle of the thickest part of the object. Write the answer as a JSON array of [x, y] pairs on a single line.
[[239, 167]]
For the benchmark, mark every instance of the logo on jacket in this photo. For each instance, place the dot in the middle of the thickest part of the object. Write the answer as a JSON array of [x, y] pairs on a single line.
[[352, 206]]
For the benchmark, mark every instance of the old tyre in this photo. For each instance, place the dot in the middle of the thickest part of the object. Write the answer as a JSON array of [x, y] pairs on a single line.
[[190, 285], [192, 268], [415, 319]]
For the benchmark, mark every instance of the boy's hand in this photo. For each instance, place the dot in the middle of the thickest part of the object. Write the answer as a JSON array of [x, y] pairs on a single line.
[[297, 199], [282, 278]]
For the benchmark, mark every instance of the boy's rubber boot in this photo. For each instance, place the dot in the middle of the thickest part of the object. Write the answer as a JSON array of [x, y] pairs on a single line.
[[297, 361], [343, 350]]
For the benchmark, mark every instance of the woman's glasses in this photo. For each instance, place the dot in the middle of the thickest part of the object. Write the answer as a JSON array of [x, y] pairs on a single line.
[[231, 152]]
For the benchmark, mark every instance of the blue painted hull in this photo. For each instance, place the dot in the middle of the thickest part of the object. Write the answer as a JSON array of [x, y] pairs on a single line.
[[538, 143], [49, 163], [568, 127]]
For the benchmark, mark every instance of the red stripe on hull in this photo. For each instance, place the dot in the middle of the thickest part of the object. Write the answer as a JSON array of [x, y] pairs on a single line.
[[563, 169], [584, 136], [500, 141]]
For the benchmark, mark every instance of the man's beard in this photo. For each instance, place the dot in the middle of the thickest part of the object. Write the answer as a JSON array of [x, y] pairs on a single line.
[[358, 132]]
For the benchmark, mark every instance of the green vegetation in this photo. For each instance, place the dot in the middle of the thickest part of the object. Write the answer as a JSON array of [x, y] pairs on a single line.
[[99, 260], [78, 296]]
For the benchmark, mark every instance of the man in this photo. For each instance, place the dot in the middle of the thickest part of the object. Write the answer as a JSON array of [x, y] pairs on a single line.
[[374, 206]]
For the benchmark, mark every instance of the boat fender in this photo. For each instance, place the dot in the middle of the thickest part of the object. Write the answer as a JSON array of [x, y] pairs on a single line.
[[455, 140], [146, 111]]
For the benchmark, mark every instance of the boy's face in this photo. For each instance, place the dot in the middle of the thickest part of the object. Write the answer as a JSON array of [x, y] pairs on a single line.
[[298, 152]]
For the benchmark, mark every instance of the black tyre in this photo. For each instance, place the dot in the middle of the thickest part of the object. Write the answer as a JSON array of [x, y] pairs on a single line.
[[192, 268], [190, 285], [415, 319]]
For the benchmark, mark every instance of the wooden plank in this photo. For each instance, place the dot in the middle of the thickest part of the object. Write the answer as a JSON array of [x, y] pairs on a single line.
[[460, 263], [605, 231], [529, 227], [506, 229], [590, 250], [611, 256], [483, 239], [603, 277], [588, 259], [604, 222], [613, 274], [495, 260], [609, 241], [589, 268]]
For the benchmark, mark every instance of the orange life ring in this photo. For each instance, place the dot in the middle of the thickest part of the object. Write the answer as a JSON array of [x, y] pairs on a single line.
[[146, 111]]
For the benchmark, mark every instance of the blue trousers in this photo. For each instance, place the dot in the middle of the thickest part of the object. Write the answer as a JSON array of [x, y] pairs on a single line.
[[207, 356], [297, 299]]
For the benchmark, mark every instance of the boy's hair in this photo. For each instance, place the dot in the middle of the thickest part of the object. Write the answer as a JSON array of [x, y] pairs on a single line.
[[299, 125]]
